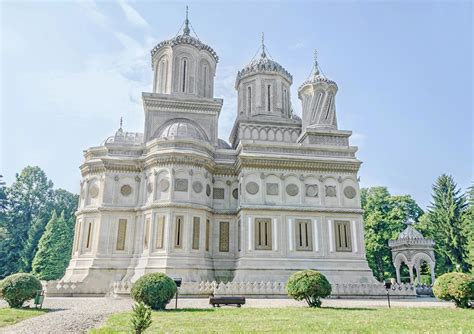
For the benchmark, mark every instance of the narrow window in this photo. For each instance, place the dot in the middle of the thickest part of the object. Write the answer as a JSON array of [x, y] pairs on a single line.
[[329, 107], [208, 227], [263, 234], [205, 81], [343, 236], [78, 235], [162, 77], [196, 228], [268, 98], [121, 235], [89, 236], [239, 235], [303, 235], [284, 102], [147, 233], [184, 76], [249, 100], [223, 236], [178, 232], [160, 231]]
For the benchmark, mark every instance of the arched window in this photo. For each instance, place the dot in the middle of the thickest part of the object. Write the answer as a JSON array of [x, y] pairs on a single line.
[[249, 100], [284, 102], [162, 76], [329, 106], [183, 87]]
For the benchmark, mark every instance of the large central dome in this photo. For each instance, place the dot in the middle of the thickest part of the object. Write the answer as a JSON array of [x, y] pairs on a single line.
[[183, 128]]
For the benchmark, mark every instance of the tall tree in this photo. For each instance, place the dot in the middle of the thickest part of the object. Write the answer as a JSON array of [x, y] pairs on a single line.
[[28, 199], [469, 227], [66, 202], [446, 223], [384, 215], [54, 251]]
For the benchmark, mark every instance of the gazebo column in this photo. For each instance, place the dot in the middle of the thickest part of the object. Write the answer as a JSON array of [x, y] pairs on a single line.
[[397, 271], [432, 270], [418, 275], [410, 269]]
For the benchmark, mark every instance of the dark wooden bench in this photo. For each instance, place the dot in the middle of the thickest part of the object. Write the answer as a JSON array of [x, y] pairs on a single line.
[[218, 301]]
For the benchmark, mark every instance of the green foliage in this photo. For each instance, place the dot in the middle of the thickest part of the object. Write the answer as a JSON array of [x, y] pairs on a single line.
[[54, 251], [384, 215], [309, 285], [28, 199], [18, 288], [141, 317], [155, 290], [456, 287], [469, 227], [25, 208], [446, 223]]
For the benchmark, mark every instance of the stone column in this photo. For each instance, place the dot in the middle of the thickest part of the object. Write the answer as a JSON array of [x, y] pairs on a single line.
[[418, 275], [397, 271], [410, 269], [432, 270]]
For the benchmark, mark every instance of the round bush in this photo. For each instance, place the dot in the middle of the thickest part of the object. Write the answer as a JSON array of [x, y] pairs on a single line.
[[155, 290], [456, 287], [309, 285], [18, 288]]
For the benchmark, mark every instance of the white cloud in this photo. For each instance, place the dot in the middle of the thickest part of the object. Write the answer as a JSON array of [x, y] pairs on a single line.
[[133, 16], [298, 45], [93, 12]]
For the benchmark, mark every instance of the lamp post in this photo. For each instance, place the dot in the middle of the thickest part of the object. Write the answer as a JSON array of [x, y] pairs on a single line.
[[177, 281], [388, 286]]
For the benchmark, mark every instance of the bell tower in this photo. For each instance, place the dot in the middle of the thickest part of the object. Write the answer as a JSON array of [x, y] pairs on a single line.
[[318, 96]]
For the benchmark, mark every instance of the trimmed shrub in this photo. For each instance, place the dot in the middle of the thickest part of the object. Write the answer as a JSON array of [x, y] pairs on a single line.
[[309, 285], [18, 288], [154, 290], [456, 287]]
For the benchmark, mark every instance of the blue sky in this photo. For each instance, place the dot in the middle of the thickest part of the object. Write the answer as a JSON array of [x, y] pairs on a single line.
[[70, 70]]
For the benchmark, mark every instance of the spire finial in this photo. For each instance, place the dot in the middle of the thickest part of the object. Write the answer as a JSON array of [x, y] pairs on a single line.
[[263, 45], [316, 67], [186, 30], [121, 123]]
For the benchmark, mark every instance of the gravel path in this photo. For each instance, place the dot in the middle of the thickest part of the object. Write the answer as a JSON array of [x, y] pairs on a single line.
[[78, 315], [70, 315]]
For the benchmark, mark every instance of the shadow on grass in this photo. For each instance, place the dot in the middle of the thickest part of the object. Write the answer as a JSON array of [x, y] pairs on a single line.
[[192, 310], [348, 308]]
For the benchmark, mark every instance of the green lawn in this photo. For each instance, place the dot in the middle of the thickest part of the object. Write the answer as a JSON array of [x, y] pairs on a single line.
[[298, 320], [10, 316]]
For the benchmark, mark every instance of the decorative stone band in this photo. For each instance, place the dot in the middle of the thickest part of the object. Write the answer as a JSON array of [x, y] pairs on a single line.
[[161, 102], [276, 289], [249, 289], [414, 241]]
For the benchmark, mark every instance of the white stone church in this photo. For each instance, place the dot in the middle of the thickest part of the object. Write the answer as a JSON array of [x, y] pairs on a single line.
[[281, 196]]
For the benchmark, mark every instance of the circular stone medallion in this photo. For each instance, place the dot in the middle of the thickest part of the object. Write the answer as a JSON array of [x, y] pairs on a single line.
[[164, 185], [94, 191], [126, 190], [197, 187], [235, 193], [292, 189], [350, 192], [312, 190], [149, 187], [252, 188]]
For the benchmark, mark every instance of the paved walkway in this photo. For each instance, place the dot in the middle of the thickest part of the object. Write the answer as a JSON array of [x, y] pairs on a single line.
[[77, 315]]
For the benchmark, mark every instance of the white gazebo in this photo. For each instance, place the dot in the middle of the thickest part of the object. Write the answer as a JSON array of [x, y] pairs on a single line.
[[412, 249]]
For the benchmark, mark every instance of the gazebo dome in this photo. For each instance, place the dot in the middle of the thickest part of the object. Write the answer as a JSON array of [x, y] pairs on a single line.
[[410, 233], [183, 128]]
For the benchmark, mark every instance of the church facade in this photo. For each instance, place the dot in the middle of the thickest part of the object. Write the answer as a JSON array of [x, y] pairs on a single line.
[[281, 196]]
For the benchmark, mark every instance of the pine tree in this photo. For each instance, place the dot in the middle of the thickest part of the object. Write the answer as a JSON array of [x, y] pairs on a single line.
[[54, 250], [469, 227], [445, 223], [29, 198]]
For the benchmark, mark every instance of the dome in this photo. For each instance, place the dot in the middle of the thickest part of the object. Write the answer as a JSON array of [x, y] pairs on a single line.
[[263, 65], [221, 143], [183, 128], [316, 79], [410, 232]]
